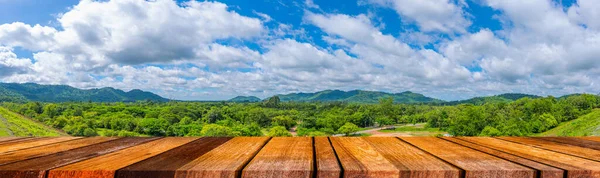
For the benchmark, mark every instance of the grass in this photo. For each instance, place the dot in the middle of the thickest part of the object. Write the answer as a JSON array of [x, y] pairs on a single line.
[[586, 125], [21, 126], [415, 130]]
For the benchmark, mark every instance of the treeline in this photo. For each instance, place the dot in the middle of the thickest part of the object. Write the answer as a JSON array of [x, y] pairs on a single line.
[[274, 118]]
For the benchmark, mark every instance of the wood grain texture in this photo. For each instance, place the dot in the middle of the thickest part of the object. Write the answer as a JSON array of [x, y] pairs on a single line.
[[226, 160], [105, 166], [557, 147], [165, 164], [326, 160], [37, 167], [22, 139], [360, 159], [575, 166], [44, 150], [474, 163], [544, 171], [33, 143], [596, 139], [283, 157], [573, 141], [2, 139], [411, 161]]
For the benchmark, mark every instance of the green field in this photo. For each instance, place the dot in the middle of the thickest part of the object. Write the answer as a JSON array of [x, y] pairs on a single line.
[[586, 125], [12, 124]]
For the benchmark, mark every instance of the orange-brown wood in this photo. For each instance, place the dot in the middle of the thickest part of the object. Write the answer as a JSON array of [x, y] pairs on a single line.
[[575, 166], [573, 141], [326, 160], [360, 159], [165, 164], [23, 139], [2, 139], [44, 150], [105, 166], [596, 139], [283, 157], [558, 147], [37, 167], [474, 163], [544, 171], [411, 161], [224, 161], [33, 143]]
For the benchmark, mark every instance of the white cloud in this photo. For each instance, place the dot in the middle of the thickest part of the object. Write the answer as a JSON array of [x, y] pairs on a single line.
[[10, 64], [445, 16]]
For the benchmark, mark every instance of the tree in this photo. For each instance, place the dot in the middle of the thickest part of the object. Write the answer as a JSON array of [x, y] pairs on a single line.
[[214, 130], [490, 131], [285, 121], [279, 131], [273, 102], [348, 128]]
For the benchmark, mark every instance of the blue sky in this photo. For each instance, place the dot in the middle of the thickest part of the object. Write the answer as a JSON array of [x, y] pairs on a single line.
[[210, 50]]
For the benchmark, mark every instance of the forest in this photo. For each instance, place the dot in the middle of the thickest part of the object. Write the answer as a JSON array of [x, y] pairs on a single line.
[[272, 117]]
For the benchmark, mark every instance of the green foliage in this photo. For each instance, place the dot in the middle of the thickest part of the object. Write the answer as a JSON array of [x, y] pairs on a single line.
[[348, 128], [285, 121], [586, 125], [214, 130], [490, 132], [12, 124], [279, 131]]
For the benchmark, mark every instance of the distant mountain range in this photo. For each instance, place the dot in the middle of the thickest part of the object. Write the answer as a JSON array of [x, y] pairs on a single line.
[[64, 93], [507, 97]]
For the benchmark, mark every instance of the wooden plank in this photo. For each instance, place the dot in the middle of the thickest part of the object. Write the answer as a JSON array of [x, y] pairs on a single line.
[[2, 139], [573, 141], [105, 166], [544, 171], [226, 160], [326, 159], [20, 139], [37, 167], [165, 164], [411, 161], [558, 147], [283, 157], [575, 166], [596, 139], [360, 159], [33, 143], [474, 163], [44, 150]]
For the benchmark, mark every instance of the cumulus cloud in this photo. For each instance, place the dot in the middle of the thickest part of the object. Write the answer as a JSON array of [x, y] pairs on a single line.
[[10, 64], [445, 16]]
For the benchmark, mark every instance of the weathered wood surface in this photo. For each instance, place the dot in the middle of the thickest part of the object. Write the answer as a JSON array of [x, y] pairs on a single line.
[[44, 150], [322, 157], [37, 167], [283, 157], [33, 143], [542, 170], [326, 160], [573, 141], [2, 139], [575, 166], [165, 164], [105, 166], [474, 163], [411, 161], [360, 159], [596, 139], [557, 147], [226, 160]]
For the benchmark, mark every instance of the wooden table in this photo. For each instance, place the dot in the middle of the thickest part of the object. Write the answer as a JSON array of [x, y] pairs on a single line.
[[303, 157]]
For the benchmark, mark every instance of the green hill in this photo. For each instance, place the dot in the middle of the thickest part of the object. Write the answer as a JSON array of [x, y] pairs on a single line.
[[245, 99], [64, 93], [12, 124], [357, 96], [503, 98], [586, 125]]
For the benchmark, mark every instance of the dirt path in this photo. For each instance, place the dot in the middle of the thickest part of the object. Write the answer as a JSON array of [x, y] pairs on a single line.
[[5, 122]]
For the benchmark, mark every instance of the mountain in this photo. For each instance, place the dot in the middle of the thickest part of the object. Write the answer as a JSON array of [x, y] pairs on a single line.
[[586, 125], [64, 93], [245, 99], [357, 96], [502, 98]]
